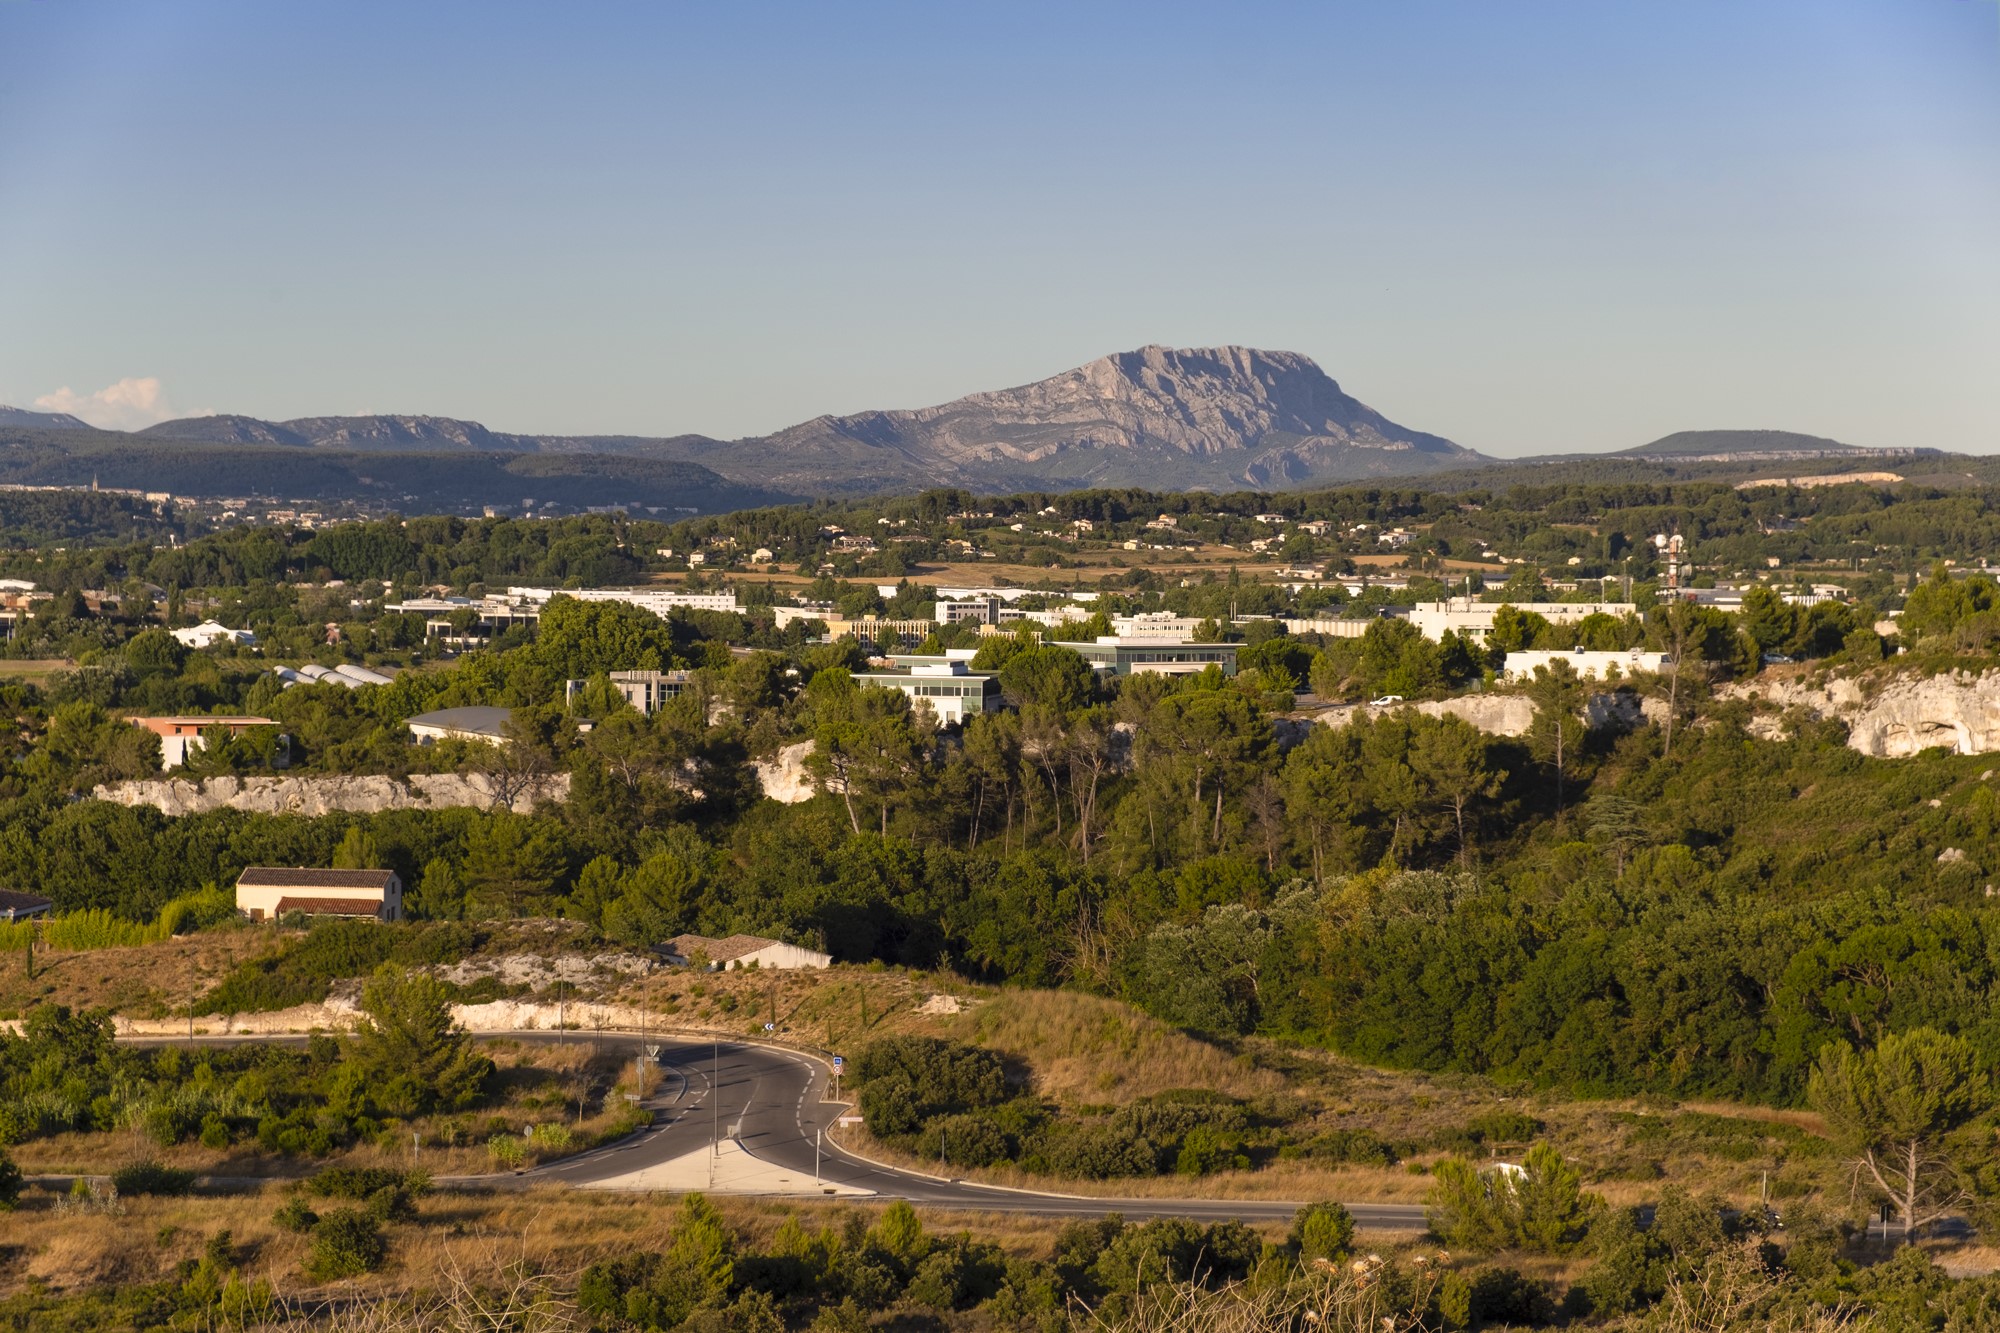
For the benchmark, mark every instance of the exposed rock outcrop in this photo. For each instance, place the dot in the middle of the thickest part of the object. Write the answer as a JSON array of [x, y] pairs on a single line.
[[1958, 711], [321, 795], [784, 777], [1514, 714]]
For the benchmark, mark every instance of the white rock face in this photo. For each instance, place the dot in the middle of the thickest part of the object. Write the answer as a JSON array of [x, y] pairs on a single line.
[[1514, 714], [316, 795], [1495, 714], [784, 778], [1958, 711]]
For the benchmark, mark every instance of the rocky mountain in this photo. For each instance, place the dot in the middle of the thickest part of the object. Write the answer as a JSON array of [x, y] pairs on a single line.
[[22, 418], [1163, 417], [1209, 417]]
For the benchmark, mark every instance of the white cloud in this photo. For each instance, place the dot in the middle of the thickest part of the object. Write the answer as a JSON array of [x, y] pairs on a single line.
[[130, 404]]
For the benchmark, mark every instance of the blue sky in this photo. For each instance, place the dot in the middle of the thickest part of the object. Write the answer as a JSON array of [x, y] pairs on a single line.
[[1530, 225]]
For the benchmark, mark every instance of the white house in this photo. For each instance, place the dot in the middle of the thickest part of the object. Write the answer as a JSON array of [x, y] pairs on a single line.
[[739, 951], [265, 893], [1521, 664], [1474, 620], [210, 632], [180, 735]]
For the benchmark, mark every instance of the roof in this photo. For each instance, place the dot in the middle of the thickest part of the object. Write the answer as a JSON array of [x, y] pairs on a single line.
[[326, 907], [13, 903], [478, 719], [719, 951], [305, 877], [200, 721]]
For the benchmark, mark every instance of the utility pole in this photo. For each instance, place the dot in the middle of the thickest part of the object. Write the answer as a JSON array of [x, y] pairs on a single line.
[[562, 1006], [715, 1098], [819, 1132]]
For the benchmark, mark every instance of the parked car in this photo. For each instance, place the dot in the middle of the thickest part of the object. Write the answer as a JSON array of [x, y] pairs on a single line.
[[1385, 701]]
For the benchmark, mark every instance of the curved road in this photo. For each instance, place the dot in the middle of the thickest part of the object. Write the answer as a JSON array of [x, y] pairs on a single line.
[[772, 1102]]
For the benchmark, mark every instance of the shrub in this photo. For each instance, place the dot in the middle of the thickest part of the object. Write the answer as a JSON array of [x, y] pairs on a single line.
[[1354, 1147], [1503, 1296], [966, 1140], [508, 1150], [296, 1215], [1504, 1127], [361, 1182], [346, 1243], [149, 1177], [1322, 1231], [553, 1137], [905, 1081], [10, 1183], [1207, 1150]]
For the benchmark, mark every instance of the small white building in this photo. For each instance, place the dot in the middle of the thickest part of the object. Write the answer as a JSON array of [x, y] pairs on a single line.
[[1474, 620], [211, 632], [644, 690], [477, 722], [1587, 665], [265, 893], [738, 951], [181, 735], [952, 690]]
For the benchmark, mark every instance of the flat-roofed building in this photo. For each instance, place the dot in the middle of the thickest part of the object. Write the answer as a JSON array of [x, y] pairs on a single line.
[[1474, 620], [265, 893], [179, 735], [644, 690], [1128, 656], [951, 689], [1522, 662]]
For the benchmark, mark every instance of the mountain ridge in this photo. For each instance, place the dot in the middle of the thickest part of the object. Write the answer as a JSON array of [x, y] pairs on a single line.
[[1194, 418]]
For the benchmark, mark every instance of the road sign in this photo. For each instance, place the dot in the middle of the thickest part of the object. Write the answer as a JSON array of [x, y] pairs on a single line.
[[838, 1063], [770, 1027]]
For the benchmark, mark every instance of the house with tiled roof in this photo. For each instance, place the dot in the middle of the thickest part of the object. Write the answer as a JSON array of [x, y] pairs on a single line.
[[265, 893], [735, 951]]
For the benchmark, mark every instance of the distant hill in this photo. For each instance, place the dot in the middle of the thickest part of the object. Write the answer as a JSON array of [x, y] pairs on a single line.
[[413, 482], [1217, 417], [22, 417], [1720, 445]]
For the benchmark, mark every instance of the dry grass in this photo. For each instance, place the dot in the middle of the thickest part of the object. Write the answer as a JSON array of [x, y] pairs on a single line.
[[553, 1230], [146, 981], [1084, 1048]]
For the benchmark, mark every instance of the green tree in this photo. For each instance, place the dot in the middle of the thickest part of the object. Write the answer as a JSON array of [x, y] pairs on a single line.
[[1057, 679], [357, 851], [408, 1049], [1556, 734], [1892, 1107]]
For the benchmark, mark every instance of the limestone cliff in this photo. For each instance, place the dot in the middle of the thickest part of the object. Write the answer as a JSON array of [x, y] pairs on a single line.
[[303, 794], [1958, 711]]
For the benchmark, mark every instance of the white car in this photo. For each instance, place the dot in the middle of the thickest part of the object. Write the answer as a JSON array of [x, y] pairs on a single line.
[[1385, 701]]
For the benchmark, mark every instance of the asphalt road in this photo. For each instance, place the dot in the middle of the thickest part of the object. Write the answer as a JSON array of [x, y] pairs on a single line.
[[771, 1101]]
